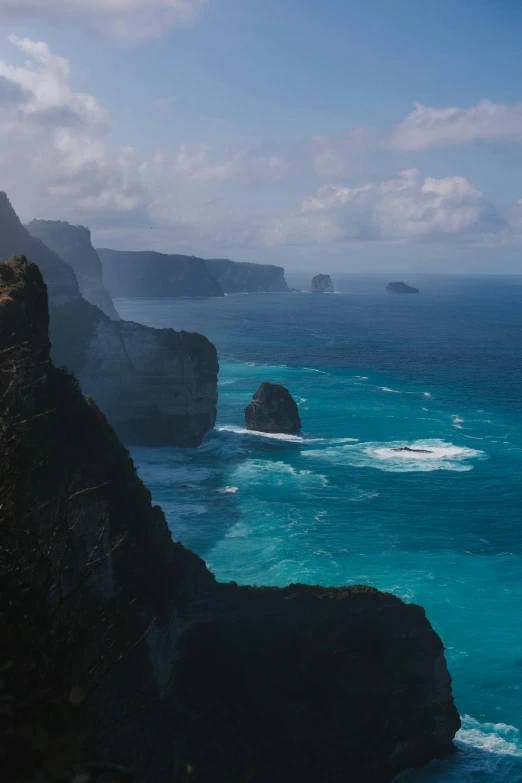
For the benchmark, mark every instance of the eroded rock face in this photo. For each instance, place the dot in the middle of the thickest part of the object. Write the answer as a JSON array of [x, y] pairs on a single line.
[[156, 386], [322, 284], [401, 288], [146, 273], [241, 683], [273, 409], [73, 243], [236, 277]]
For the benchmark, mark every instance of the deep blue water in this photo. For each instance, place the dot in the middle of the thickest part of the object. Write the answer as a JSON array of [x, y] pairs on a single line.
[[371, 372]]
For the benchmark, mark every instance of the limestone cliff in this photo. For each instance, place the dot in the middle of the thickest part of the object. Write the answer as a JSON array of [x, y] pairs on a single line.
[[237, 277], [73, 243], [146, 273], [15, 239], [156, 386], [127, 659]]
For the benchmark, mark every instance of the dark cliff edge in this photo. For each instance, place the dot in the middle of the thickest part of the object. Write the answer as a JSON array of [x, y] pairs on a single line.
[[73, 243], [149, 274], [238, 277], [157, 386], [126, 659]]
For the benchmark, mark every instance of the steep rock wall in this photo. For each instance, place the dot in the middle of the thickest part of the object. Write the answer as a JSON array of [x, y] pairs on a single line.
[[73, 243], [237, 277]]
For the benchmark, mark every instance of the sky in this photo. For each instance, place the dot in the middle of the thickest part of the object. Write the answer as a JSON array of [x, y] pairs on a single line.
[[324, 135]]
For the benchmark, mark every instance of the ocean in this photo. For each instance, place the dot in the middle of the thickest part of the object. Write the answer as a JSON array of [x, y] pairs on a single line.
[[441, 371]]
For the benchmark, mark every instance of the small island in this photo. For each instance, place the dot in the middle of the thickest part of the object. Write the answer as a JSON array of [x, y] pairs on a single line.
[[322, 284], [401, 288], [273, 410]]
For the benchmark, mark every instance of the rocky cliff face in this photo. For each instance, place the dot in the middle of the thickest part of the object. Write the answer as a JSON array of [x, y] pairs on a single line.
[[15, 239], [322, 284], [237, 277], [273, 409], [156, 386], [124, 650], [145, 273], [73, 243]]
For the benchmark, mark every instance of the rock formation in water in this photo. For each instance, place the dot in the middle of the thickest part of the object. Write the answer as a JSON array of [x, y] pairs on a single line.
[[146, 273], [73, 243], [125, 654], [273, 409], [400, 288], [15, 239], [322, 284], [415, 451], [236, 277]]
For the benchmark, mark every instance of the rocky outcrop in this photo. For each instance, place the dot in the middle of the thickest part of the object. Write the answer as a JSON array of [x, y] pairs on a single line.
[[236, 277], [125, 654], [73, 243], [401, 288], [273, 409], [146, 273], [15, 239], [156, 386], [322, 284]]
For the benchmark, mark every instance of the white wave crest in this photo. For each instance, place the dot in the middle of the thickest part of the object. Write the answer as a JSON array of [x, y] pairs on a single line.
[[428, 455], [227, 490]]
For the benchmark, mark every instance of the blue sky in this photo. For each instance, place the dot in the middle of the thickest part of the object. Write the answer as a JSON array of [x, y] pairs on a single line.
[[271, 131]]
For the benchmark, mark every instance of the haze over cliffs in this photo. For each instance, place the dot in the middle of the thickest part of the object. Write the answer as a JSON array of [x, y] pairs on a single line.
[[167, 669], [74, 244], [157, 386], [146, 273]]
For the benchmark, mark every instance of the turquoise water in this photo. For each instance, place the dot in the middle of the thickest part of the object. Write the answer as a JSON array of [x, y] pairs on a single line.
[[370, 372]]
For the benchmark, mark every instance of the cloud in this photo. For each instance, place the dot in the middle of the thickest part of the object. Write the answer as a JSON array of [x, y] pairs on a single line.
[[427, 126], [405, 207], [61, 165], [127, 19]]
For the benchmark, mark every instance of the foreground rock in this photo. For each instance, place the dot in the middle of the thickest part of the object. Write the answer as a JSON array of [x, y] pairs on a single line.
[[273, 409], [73, 243], [157, 386], [236, 277], [168, 670], [322, 284], [401, 288], [145, 273]]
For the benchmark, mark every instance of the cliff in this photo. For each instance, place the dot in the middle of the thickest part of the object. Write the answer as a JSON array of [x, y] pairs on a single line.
[[236, 277], [149, 274], [73, 243], [157, 386], [15, 239], [401, 288], [322, 284], [127, 659]]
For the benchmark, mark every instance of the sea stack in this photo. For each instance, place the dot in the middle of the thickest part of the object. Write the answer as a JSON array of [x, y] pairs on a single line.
[[273, 409], [401, 288], [322, 284]]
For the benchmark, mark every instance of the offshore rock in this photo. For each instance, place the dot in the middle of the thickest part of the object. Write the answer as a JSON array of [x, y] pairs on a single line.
[[147, 273], [273, 409], [73, 243], [173, 673], [322, 284], [237, 277], [401, 288]]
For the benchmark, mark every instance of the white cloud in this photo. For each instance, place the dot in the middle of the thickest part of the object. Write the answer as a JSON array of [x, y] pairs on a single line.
[[427, 126], [132, 19], [403, 208]]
